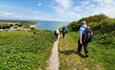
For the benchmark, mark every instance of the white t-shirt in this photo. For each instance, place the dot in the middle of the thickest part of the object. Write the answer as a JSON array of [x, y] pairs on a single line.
[[57, 31]]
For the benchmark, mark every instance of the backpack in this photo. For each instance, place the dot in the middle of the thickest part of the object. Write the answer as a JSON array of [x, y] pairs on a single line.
[[87, 35], [64, 30]]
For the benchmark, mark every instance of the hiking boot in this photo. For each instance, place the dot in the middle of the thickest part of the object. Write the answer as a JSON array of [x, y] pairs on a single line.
[[86, 55], [77, 52]]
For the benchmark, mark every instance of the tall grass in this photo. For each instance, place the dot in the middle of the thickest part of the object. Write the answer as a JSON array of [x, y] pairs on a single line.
[[20, 50], [101, 55]]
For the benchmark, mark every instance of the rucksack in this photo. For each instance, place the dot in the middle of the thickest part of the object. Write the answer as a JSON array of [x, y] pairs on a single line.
[[65, 30], [87, 35]]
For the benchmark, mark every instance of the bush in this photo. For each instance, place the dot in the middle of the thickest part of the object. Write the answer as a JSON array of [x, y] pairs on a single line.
[[20, 50], [104, 38], [19, 61], [74, 26]]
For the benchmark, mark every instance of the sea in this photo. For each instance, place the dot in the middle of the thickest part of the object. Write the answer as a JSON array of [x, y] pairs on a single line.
[[50, 25]]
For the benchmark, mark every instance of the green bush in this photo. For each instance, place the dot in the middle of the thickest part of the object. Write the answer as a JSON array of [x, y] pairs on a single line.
[[74, 26], [19, 61], [104, 38], [22, 50], [97, 23]]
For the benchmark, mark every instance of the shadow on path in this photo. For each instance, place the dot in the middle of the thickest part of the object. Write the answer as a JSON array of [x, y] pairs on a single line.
[[81, 55], [69, 52]]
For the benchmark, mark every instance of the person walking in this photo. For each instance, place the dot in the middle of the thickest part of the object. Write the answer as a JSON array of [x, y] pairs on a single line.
[[85, 38], [56, 34], [64, 31]]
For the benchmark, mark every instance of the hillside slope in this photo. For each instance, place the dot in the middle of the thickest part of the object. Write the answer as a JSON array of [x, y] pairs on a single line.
[[23, 50], [101, 49], [97, 22], [101, 56]]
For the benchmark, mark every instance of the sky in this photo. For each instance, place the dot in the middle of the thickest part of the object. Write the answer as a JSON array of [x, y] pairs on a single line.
[[58, 10]]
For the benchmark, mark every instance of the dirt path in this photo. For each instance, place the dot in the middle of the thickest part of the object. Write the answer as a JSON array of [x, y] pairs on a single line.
[[53, 60]]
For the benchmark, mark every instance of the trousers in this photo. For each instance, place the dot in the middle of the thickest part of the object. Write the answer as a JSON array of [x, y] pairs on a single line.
[[85, 45]]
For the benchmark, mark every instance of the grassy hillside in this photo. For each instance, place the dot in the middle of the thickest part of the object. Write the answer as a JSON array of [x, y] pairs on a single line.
[[102, 27], [97, 22], [21, 50], [101, 49], [101, 56]]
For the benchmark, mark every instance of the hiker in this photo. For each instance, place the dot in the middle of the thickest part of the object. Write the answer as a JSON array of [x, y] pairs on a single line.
[[85, 37], [64, 31], [56, 34], [60, 31]]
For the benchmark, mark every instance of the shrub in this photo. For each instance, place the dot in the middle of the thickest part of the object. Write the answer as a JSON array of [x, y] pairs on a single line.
[[20, 50], [104, 38]]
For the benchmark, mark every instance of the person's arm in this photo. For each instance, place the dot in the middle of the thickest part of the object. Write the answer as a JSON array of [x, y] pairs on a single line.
[[80, 39], [81, 30]]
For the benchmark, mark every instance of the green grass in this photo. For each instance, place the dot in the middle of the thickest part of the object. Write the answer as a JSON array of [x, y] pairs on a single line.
[[21, 50], [101, 57]]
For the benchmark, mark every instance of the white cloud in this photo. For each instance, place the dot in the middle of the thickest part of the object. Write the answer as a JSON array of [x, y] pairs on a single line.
[[108, 10], [60, 5], [65, 4], [66, 10], [9, 14], [39, 4], [87, 8], [104, 1], [2, 13], [103, 6], [63, 10]]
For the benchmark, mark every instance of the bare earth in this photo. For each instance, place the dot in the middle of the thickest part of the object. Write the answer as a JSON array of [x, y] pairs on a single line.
[[53, 60]]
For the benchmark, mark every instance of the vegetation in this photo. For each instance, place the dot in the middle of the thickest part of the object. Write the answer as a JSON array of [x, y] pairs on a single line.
[[102, 26], [7, 24], [95, 22], [20, 50], [101, 49], [101, 56]]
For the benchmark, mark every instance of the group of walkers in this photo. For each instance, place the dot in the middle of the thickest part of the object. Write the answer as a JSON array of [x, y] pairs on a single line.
[[62, 31], [85, 36]]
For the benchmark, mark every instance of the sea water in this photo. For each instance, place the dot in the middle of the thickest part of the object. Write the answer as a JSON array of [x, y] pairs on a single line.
[[50, 25]]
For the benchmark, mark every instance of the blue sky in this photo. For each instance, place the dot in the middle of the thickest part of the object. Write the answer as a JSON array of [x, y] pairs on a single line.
[[59, 10]]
